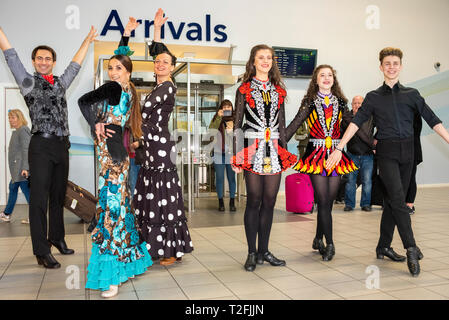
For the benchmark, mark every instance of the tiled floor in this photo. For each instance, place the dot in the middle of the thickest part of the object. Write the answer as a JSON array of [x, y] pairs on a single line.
[[215, 269]]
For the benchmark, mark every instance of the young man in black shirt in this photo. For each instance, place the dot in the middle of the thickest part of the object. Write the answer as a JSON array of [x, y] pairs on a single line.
[[393, 107]]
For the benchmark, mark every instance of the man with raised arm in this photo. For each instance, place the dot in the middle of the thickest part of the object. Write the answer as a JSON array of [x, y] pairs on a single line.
[[393, 106], [48, 157]]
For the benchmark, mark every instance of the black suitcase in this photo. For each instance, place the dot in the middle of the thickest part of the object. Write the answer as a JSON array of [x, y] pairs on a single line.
[[80, 201]]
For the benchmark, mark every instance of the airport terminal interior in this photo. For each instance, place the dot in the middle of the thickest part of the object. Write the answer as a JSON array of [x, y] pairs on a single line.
[[205, 76]]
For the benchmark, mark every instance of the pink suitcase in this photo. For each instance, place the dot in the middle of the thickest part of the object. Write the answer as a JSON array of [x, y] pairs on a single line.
[[298, 193]]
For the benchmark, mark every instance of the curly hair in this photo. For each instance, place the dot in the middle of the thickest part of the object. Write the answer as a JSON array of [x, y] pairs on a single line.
[[389, 51], [313, 89], [274, 74]]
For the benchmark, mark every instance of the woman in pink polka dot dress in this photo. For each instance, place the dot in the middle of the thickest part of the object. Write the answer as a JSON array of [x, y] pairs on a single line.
[[158, 202]]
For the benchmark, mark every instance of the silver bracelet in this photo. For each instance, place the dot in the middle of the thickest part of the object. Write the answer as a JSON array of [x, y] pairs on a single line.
[[337, 148]]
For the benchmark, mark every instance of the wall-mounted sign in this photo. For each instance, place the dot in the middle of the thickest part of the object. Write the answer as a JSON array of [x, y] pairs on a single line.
[[193, 31], [295, 62]]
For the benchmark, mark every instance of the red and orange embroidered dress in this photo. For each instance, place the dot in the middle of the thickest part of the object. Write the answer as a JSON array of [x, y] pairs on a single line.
[[324, 120], [263, 133]]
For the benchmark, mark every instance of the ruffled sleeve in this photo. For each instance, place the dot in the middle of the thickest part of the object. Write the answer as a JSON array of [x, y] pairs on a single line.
[[92, 104]]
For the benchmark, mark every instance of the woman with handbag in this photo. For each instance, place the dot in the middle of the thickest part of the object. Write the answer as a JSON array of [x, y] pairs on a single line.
[[18, 162], [118, 253]]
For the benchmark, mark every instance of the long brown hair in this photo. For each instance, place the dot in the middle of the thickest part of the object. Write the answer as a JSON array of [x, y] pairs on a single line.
[[135, 119], [313, 89], [274, 75]]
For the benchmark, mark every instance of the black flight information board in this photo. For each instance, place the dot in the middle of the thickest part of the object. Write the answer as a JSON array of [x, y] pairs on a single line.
[[295, 62]]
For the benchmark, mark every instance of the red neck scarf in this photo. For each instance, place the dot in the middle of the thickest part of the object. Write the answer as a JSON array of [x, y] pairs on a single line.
[[49, 78]]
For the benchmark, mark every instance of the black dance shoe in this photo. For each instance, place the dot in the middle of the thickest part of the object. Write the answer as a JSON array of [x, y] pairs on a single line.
[[413, 257], [250, 264], [367, 208], [61, 246], [318, 245], [260, 259], [329, 252], [48, 261], [268, 257], [390, 253], [221, 206], [232, 205], [347, 208]]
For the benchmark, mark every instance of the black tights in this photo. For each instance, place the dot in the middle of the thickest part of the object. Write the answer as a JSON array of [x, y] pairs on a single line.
[[261, 192], [325, 191]]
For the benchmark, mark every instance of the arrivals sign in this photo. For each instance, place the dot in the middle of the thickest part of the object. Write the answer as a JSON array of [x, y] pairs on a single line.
[[193, 31]]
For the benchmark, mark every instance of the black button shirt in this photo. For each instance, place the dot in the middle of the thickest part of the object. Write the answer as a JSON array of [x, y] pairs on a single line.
[[393, 110]]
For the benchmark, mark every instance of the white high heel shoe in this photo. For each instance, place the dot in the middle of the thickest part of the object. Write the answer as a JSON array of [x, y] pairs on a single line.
[[113, 291]]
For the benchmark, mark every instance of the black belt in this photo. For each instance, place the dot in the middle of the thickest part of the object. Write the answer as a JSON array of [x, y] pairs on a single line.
[[51, 136]]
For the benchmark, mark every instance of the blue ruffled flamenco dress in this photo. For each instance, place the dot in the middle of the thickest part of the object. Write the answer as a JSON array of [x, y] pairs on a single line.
[[118, 253]]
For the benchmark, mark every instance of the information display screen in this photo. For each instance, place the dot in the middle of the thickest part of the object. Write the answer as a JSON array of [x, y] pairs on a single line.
[[295, 62]]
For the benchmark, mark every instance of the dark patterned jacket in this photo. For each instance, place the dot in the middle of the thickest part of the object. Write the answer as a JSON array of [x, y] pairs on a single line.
[[46, 102]]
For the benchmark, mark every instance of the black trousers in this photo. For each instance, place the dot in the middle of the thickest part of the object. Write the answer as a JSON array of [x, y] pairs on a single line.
[[412, 189], [49, 168], [395, 162]]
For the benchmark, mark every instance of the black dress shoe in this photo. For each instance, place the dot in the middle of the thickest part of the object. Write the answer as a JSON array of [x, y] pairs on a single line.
[[48, 261], [318, 244], [268, 257], [389, 252], [221, 206], [260, 259], [250, 264], [413, 257], [329, 252], [348, 208], [61, 246], [420, 255], [232, 205], [367, 208]]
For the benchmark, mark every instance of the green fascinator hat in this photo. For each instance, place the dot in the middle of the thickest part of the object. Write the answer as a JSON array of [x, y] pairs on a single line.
[[124, 51]]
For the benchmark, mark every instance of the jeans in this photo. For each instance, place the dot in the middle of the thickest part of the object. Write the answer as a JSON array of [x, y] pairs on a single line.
[[365, 165], [133, 173], [219, 174], [12, 198]]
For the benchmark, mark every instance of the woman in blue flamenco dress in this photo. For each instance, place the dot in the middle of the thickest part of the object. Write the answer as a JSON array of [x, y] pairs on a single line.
[[118, 253]]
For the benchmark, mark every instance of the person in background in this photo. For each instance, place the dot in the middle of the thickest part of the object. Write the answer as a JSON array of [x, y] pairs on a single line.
[[223, 122], [45, 96], [302, 136], [134, 148], [17, 161], [360, 150]]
